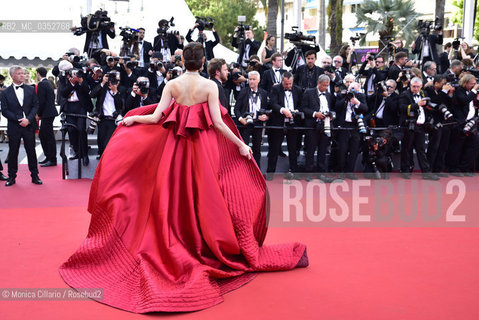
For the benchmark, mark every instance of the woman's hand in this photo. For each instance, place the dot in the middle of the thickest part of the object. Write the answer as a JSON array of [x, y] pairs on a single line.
[[129, 121], [245, 151]]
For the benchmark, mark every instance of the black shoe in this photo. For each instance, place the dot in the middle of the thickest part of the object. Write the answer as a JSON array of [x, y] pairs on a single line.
[[269, 176], [442, 174], [85, 160], [351, 176], [282, 154], [309, 177], [457, 174], [3, 177], [469, 174], [406, 175], [43, 161], [74, 157], [430, 176], [98, 157], [10, 182], [289, 175], [36, 179], [48, 164]]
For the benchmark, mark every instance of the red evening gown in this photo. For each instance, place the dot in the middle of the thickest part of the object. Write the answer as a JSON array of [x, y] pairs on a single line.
[[178, 217]]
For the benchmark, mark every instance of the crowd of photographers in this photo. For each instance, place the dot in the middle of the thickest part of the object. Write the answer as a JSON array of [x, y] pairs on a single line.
[[342, 108]]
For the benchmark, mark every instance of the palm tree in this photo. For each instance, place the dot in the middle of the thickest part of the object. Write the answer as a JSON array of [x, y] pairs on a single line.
[[271, 13], [388, 18]]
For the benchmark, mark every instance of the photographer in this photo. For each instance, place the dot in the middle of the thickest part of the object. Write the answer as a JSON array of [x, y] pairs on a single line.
[[385, 112], [318, 106], [338, 67], [438, 134], [246, 45], [156, 71], [145, 49], [140, 95], [109, 104], [400, 62], [464, 145], [95, 73], [236, 81], [75, 91], [96, 27], [250, 110], [274, 75], [129, 72], [166, 42], [413, 118], [425, 44], [346, 53], [445, 58], [377, 72], [208, 45], [285, 102], [428, 73], [452, 74], [349, 110], [306, 76], [398, 46]]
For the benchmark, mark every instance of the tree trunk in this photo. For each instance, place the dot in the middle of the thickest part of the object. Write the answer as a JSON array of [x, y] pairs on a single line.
[[339, 25], [332, 27], [272, 17], [440, 4], [322, 24]]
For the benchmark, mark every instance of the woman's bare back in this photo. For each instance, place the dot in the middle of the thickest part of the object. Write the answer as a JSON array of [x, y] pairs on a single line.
[[190, 89]]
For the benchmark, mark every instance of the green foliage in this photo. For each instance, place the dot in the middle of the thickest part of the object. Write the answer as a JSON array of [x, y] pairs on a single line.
[[457, 17], [388, 18], [225, 13]]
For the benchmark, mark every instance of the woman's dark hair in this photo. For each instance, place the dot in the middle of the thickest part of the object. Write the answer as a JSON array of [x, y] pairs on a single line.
[[193, 54], [342, 51], [269, 38]]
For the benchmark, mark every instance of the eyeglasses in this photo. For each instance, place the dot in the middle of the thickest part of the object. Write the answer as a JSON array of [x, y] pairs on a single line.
[[337, 61], [326, 62]]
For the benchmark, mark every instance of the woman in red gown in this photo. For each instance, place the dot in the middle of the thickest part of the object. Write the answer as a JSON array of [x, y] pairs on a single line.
[[177, 206]]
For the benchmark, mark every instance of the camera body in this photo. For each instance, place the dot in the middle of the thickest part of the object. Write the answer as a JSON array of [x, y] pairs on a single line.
[[144, 86], [471, 126], [94, 23], [424, 27], [163, 26], [297, 115], [113, 77], [174, 73], [242, 27], [298, 36], [205, 23], [129, 35], [406, 74]]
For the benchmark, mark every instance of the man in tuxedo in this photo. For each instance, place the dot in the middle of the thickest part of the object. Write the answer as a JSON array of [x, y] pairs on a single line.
[[400, 61], [444, 62], [165, 42], [46, 113], [425, 46], [306, 76], [385, 111], [377, 72], [141, 95], [452, 74], [338, 66], [247, 47], [273, 76], [208, 45], [429, 72], [218, 72], [109, 105], [75, 92], [19, 105], [317, 103], [463, 148], [251, 101], [144, 48], [96, 40], [413, 117], [349, 107], [285, 102]]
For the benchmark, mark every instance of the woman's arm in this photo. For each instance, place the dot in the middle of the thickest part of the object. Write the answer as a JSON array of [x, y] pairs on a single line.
[[155, 116], [220, 125]]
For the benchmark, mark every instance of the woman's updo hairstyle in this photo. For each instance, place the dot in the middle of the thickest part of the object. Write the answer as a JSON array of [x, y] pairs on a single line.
[[193, 54]]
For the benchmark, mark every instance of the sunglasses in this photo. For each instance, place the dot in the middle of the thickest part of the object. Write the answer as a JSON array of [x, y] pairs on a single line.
[[336, 61]]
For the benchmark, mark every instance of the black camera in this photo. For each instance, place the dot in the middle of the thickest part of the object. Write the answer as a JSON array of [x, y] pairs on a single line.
[[77, 72], [174, 73], [406, 74], [424, 27], [93, 123], [264, 112], [470, 127], [296, 115], [248, 116], [129, 34], [155, 66], [371, 56], [236, 75], [442, 108], [328, 68], [204, 23], [131, 64], [163, 26], [113, 77], [242, 27], [356, 38], [298, 36], [94, 23], [381, 87], [457, 43], [144, 86], [452, 80]]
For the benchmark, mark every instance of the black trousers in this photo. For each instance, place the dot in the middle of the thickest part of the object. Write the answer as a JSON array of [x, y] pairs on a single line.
[[316, 140], [47, 139], [437, 148], [463, 151], [348, 147], [275, 139], [14, 140], [106, 127], [414, 139], [253, 135], [77, 136]]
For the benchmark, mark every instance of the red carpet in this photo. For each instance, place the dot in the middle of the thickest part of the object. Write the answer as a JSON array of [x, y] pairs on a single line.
[[354, 273]]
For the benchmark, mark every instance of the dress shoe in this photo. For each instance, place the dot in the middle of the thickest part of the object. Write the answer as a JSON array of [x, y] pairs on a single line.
[[3, 177], [351, 176], [406, 175], [457, 174], [98, 157], [10, 182], [43, 161], [289, 175], [442, 174], [36, 180], [430, 176], [48, 164], [74, 157], [469, 174], [85, 160], [269, 176], [282, 154], [325, 178]]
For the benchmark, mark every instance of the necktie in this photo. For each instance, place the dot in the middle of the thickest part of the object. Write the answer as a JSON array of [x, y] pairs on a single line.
[[20, 86]]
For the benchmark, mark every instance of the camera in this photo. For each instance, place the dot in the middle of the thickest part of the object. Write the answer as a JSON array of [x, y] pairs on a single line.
[[424, 27], [381, 87], [129, 34], [155, 66], [351, 94], [325, 124], [174, 73], [406, 74], [264, 112], [298, 36], [356, 38], [248, 116], [144, 86], [111, 59], [442, 108], [113, 77], [131, 64], [371, 56], [470, 127], [77, 72], [94, 23], [242, 27], [93, 123], [296, 114], [204, 23], [163, 26], [452, 79], [362, 127]]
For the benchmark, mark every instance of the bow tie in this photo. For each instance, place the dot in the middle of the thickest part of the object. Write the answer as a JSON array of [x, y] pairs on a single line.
[[276, 70], [287, 91], [417, 96], [322, 93], [20, 86]]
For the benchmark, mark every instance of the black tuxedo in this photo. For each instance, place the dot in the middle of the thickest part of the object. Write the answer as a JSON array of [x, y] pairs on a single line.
[[222, 95], [13, 111], [315, 139], [444, 62], [47, 112], [254, 47], [394, 71], [276, 136], [242, 106], [432, 39], [147, 46], [171, 42], [307, 78], [415, 136], [133, 102], [104, 41], [372, 74], [390, 112], [209, 45], [270, 78]]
